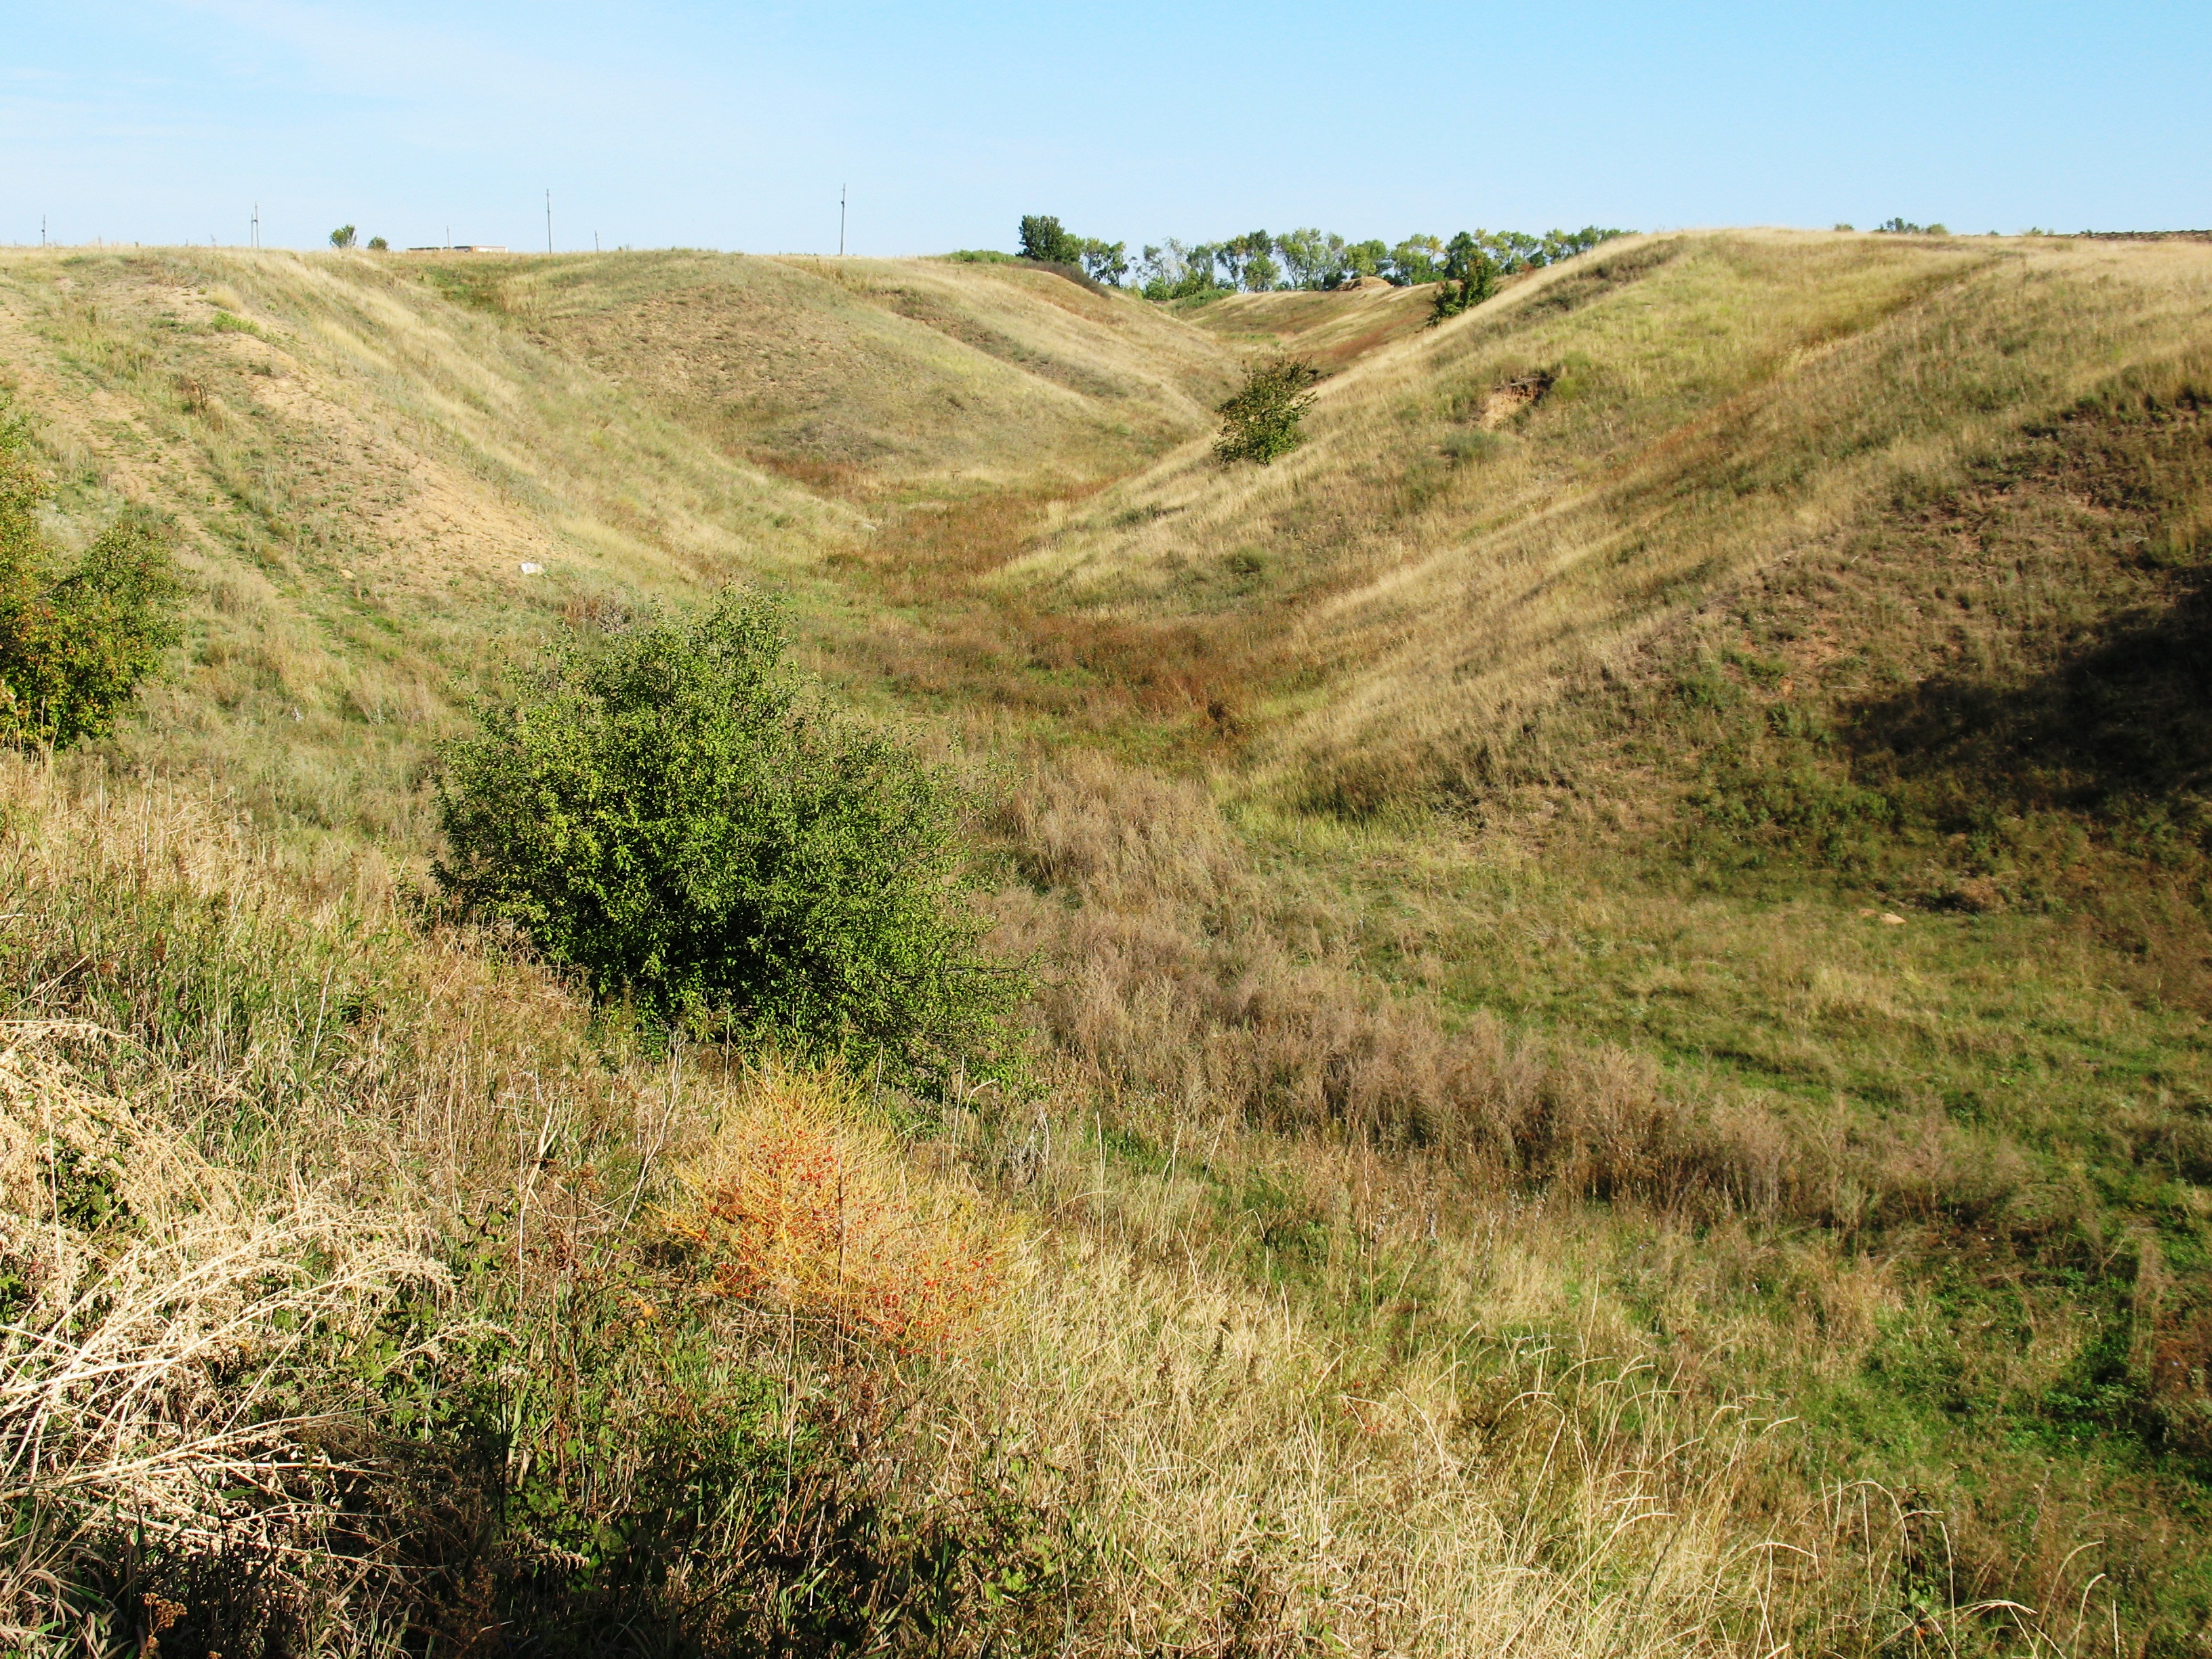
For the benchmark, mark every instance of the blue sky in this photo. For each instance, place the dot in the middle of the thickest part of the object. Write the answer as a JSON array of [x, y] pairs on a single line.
[[663, 122]]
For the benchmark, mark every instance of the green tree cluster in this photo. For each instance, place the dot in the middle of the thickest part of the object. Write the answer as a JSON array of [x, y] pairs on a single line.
[[1309, 258], [75, 639], [342, 236], [1262, 419], [1470, 276], [678, 815], [1044, 239]]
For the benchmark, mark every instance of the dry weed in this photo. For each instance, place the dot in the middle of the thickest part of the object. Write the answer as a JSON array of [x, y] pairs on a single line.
[[160, 1361], [801, 1202]]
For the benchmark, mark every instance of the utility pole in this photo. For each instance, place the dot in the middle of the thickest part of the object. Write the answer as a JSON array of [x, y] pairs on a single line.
[[548, 222], [42, 230], [841, 221], [255, 238]]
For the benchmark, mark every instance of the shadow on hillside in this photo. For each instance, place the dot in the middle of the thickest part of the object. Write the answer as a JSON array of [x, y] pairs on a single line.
[[2128, 719]]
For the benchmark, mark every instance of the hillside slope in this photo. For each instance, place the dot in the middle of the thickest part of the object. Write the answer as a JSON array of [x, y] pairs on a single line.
[[361, 453], [1621, 938], [1505, 508], [1331, 330], [878, 374]]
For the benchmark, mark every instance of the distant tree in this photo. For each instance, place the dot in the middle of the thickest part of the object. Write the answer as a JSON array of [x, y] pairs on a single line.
[[1470, 277], [76, 641], [1514, 251], [342, 236], [1248, 261], [1309, 258], [1045, 240], [1312, 258], [1566, 244], [1262, 420], [1172, 272], [1416, 259], [1906, 228], [1366, 259], [1105, 261], [378, 244]]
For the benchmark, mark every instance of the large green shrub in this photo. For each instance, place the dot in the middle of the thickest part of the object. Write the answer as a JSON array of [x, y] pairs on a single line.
[[677, 815], [1261, 420], [74, 640]]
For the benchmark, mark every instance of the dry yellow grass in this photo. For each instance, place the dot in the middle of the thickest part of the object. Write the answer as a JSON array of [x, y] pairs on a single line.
[[1332, 330], [878, 376], [1208, 1463], [161, 1313]]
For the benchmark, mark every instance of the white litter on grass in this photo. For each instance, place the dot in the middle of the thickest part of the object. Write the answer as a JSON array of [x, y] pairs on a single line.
[[531, 568]]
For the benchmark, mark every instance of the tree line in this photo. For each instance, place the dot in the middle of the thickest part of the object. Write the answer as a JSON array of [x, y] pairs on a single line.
[[1260, 262]]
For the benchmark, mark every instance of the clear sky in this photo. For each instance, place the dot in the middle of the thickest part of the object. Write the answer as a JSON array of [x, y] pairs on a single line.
[[732, 126]]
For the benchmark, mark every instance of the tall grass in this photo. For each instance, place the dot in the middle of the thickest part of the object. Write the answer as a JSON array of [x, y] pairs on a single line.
[[1505, 1181], [1126, 1442]]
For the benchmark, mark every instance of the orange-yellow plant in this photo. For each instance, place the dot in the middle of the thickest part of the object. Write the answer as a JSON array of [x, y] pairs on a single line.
[[800, 1201]]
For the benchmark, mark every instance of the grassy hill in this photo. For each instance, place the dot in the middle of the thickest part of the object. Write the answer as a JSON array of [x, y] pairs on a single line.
[[360, 454], [1623, 949]]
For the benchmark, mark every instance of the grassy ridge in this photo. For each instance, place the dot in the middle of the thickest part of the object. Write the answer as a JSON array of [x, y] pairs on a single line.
[[1623, 931], [360, 454]]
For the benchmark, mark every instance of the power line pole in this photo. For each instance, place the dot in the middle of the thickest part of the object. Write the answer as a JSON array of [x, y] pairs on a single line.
[[548, 222], [841, 221], [42, 230], [255, 238]]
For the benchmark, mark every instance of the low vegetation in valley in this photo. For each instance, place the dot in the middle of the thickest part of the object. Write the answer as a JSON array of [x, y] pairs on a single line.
[[1570, 1019]]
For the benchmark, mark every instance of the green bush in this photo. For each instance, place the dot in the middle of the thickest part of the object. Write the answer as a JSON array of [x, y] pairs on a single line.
[[1262, 419], [75, 641], [1465, 288], [678, 816], [342, 236]]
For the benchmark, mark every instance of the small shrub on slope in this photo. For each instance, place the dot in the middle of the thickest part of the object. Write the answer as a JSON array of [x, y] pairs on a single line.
[[1262, 420], [674, 814], [75, 642]]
